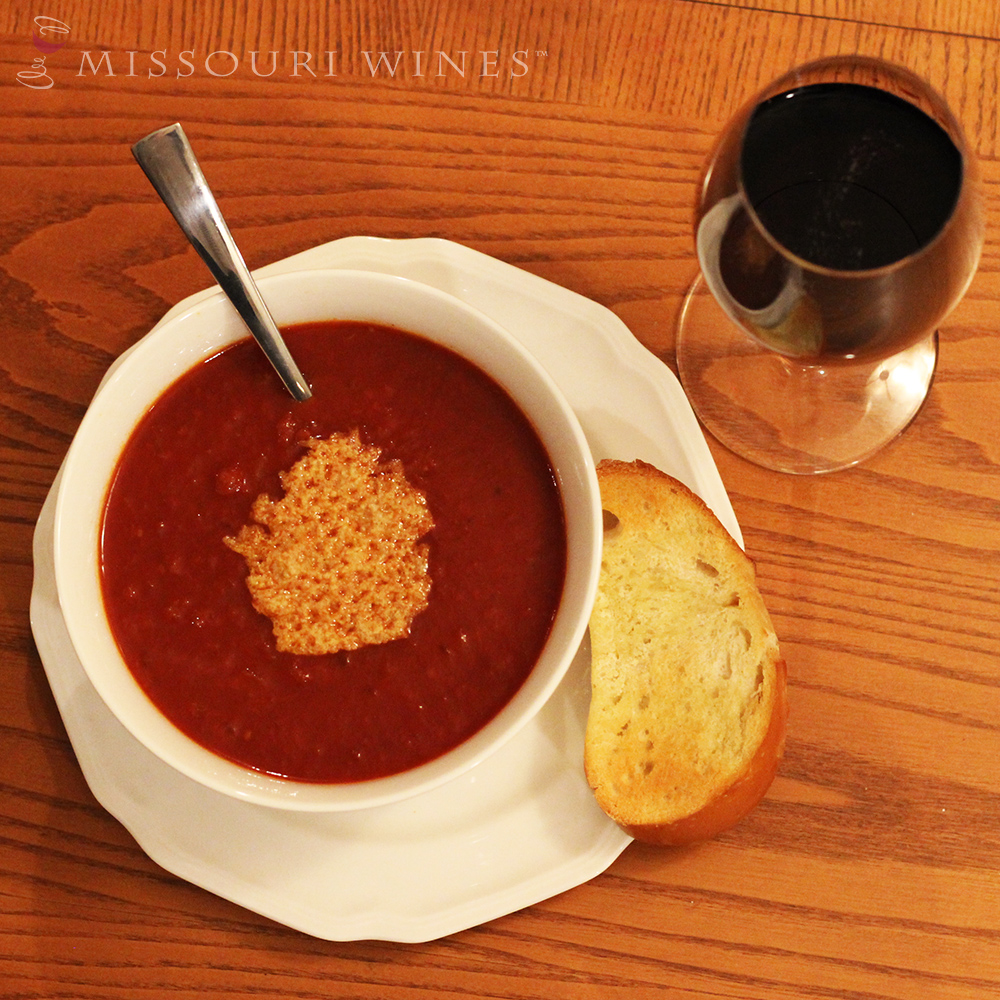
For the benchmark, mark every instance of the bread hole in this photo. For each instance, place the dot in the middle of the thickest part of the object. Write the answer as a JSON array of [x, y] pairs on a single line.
[[648, 767], [727, 668], [733, 602], [644, 703], [706, 568], [624, 728], [612, 525]]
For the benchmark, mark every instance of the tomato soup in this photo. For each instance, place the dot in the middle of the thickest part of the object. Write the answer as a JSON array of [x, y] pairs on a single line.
[[176, 596]]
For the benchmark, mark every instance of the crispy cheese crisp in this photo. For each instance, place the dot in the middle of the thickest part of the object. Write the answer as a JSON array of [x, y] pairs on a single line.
[[337, 563]]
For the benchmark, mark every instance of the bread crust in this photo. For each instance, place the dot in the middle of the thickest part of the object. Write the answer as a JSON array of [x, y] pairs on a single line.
[[688, 690]]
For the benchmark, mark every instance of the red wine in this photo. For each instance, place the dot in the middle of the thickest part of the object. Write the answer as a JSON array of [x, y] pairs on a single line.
[[849, 177], [837, 220]]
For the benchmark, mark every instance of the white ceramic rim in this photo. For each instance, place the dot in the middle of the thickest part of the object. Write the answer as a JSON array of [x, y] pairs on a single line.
[[297, 297]]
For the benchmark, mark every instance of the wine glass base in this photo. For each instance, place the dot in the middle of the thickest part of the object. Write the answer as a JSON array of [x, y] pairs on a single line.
[[785, 415]]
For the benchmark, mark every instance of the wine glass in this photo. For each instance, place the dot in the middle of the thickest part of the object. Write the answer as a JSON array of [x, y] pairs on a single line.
[[838, 222]]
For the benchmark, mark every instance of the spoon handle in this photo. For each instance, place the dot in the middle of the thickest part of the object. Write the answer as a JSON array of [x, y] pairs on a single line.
[[169, 162]]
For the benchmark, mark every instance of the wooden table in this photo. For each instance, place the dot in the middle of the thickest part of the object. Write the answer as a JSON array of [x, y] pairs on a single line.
[[872, 869]]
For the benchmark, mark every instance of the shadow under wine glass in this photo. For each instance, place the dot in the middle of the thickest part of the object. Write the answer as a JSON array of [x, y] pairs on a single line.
[[838, 222]]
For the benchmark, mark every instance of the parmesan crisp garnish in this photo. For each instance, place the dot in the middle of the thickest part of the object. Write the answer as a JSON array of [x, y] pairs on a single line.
[[336, 563]]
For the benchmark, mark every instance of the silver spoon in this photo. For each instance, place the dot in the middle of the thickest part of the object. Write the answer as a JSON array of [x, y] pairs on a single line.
[[169, 162]]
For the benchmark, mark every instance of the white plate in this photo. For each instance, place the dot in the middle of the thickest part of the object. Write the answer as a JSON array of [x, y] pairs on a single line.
[[521, 826]]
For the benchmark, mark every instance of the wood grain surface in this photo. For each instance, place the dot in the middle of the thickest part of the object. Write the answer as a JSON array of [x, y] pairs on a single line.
[[872, 869]]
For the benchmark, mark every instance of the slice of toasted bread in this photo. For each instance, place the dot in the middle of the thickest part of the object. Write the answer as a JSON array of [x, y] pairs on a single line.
[[688, 708]]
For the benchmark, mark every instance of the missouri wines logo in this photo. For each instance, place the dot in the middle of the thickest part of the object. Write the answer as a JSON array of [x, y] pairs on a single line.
[[49, 36]]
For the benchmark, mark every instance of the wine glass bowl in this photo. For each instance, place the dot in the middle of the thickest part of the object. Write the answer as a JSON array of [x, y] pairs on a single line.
[[838, 222]]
